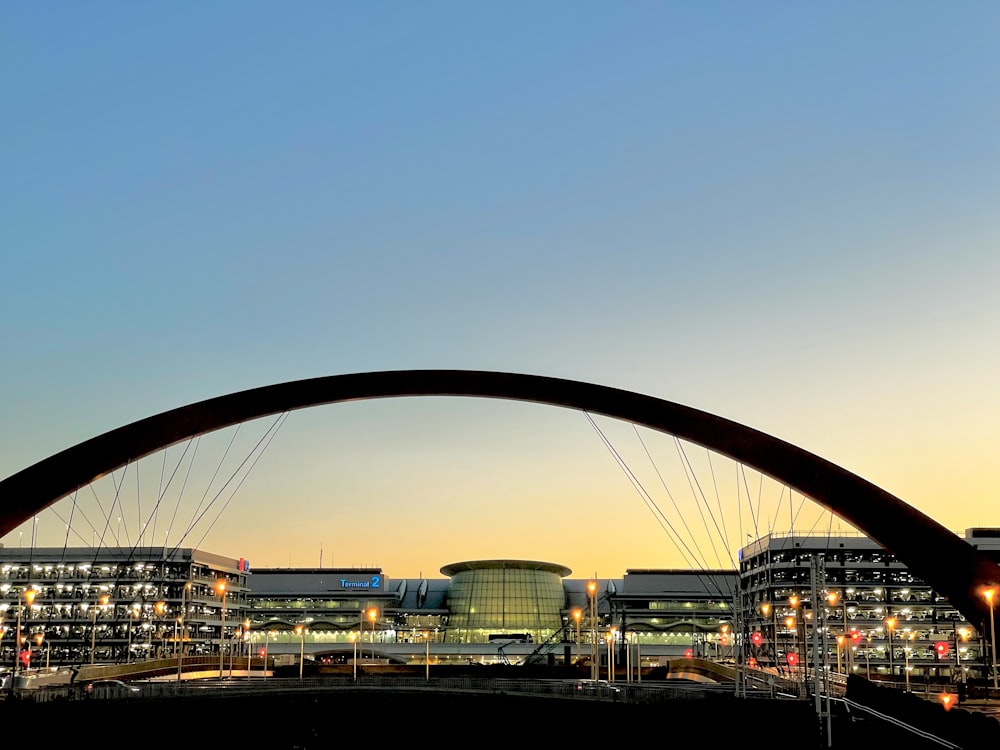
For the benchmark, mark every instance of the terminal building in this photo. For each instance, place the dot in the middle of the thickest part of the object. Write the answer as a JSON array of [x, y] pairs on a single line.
[[866, 612]]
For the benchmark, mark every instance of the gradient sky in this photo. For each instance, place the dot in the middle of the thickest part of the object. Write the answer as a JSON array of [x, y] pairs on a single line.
[[782, 213]]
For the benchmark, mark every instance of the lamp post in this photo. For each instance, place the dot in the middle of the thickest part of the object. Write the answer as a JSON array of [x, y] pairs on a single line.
[[103, 602], [962, 633], [990, 595], [300, 631], [793, 602], [841, 640], [427, 656], [220, 589], [39, 637], [868, 664], [577, 614], [765, 612], [354, 639], [248, 642], [890, 626], [790, 625], [133, 612], [594, 654], [183, 628], [638, 658], [906, 658], [158, 609], [29, 597], [373, 617]]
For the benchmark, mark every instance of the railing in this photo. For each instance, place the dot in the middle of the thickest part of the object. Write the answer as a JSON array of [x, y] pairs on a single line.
[[259, 685]]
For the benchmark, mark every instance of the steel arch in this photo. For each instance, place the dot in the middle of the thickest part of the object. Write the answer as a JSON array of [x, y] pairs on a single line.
[[954, 568]]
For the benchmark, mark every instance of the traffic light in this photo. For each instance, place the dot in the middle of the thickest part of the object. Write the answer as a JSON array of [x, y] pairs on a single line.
[[792, 658], [688, 653], [261, 652], [941, 649], [26, 658], [756, 638]]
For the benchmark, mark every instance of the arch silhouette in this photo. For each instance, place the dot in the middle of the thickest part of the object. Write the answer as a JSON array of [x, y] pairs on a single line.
[[954, 568]]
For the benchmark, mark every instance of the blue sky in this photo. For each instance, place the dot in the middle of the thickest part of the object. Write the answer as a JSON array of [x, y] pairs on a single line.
[[782, 213]]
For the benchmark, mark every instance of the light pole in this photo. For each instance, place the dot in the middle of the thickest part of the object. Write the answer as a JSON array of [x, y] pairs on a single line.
[[158, 609], [248, 642], [183, 628], [890, 626], [790, 625], [373, 617], [765, 612], [793, 602], [906, 658], [577, 614], [990, 594], [103, 602], [638, 658], [300, 631], [962, 633], [39, 637], [133, 612], [354, 639], [29, 597], [220, 589], [427, 656], [594, 654]]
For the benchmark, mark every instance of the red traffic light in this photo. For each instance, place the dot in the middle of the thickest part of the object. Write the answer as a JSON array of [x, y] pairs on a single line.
[[756, 638], [26, 657], [855, 635], [941, 648], [792, 659], [261, 652], [688, 653]]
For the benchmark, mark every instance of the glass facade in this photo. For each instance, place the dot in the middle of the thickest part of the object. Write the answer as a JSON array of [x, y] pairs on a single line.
[[520, 599]]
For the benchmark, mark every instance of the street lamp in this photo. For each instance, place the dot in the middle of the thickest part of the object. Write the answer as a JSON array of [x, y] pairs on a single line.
[[102, 602], [990, 594], [180, 621], [610, 656], [39, 637], [427, 656], [300, 631], [594, 655], [962, 633], [373, 617], [790, 625], [220, 589], [890, 626], [354, 639], [577, 614], [133, 612], [248, 642], [158, 609], [906, 658], [29, 596]]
